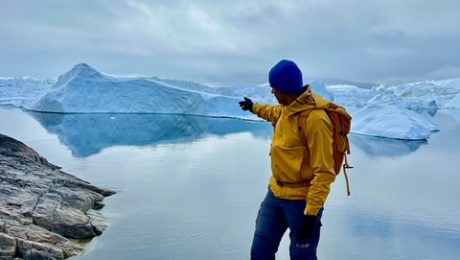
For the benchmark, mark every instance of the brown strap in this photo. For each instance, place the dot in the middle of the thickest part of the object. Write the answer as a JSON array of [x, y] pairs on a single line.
[[345, 167], [292, 184]]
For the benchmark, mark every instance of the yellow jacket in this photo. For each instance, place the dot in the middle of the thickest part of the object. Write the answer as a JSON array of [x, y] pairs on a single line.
[[293, 162]]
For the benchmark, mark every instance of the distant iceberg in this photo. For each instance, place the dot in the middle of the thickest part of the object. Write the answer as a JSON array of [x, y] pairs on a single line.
[[350, 96], [417, 96], [391, 122], [453, 103], [319, 87], [22, 91]]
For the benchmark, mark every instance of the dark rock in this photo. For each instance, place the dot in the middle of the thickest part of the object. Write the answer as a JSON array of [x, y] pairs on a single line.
[[37, 251], [42, 208], [7, 246]]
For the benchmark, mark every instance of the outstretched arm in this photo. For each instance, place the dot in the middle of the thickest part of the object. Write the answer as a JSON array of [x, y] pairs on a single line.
[[268, 112]]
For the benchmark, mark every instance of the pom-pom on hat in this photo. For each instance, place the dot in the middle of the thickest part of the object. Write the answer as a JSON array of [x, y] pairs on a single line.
[[286, 77]]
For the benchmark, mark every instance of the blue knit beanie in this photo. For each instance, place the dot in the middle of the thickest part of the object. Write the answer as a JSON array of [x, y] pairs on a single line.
[[286, 77]]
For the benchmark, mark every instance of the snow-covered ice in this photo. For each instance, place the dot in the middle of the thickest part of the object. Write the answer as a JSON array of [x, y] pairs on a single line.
[[453, 103], [417, 96], [387, 111], [85, 90], [22, 91], [350, 96], [391, 122], [262, 93]]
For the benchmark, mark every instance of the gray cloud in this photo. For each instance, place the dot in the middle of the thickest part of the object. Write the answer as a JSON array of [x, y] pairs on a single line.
[[202, 40]]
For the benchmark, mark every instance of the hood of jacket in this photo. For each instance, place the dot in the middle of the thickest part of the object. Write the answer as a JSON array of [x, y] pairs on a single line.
[[307, 100]]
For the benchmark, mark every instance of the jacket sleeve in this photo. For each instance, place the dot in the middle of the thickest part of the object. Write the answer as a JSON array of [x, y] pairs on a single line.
[[268, 112], [318, 131]]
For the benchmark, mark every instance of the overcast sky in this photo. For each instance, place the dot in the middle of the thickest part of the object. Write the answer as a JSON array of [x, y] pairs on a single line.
[[220, 40]]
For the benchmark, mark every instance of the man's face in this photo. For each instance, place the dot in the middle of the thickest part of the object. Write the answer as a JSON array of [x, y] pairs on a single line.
[[279, 96]]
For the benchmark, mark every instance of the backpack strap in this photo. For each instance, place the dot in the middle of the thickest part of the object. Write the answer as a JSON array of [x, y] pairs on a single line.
[[345, 167]]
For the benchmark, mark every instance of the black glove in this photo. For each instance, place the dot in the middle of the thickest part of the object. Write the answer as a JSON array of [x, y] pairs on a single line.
[[308, 225], [246, 104]]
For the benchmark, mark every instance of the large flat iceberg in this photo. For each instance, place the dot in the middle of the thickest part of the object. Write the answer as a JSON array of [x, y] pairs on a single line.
[[85, 90]]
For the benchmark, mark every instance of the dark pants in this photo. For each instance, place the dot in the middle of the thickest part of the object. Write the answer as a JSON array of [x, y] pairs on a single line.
[[274, 217]]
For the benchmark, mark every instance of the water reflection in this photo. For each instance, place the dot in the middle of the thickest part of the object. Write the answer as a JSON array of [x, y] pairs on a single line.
[[453, 115], [88, 134], [385, 147], [379, 229]]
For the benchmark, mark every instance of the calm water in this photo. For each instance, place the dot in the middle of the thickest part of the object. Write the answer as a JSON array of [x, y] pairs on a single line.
[[190, 187]]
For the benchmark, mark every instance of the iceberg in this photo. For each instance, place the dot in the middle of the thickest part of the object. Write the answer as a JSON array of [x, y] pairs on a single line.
[[85, 90], [391, 122], [22, 91], [350, 96], [262, 93], [453, 103], [258, 93], [420, 96], [412, 103], [385, 111], [423, 94], [319, 87]]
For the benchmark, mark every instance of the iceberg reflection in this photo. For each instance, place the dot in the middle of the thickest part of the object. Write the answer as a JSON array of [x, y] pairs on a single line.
[[88, 134], [385, 147]]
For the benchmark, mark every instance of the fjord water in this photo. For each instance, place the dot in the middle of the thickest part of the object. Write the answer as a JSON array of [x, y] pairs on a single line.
[[189, 187]]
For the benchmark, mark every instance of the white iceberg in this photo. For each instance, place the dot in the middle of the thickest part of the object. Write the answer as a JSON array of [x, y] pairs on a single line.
[[391, 122], [418, 96], [350, 96], [424, 94], [22, 91], [258, 93], [319, 87], [262, 93], [412, 103], [85, 90], [453, 103]]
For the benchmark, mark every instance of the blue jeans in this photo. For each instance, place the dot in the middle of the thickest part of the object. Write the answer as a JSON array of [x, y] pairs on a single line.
[[274, 217]]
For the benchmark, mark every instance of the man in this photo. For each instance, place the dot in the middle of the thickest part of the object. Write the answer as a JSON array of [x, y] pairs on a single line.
[[301, 173]]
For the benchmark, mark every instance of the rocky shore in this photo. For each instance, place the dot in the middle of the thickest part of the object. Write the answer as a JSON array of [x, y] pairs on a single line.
[[43, 210]]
